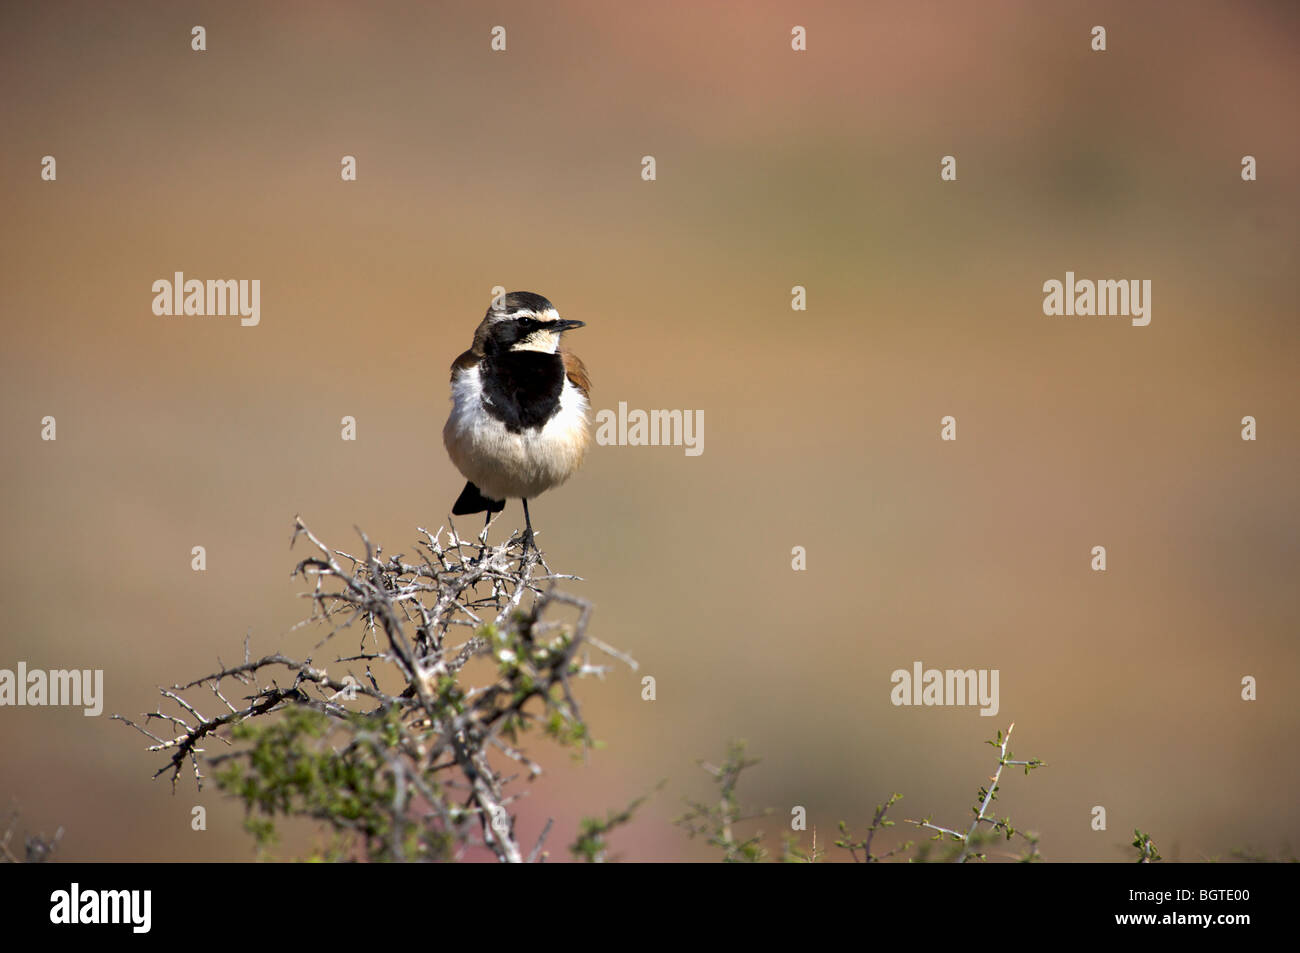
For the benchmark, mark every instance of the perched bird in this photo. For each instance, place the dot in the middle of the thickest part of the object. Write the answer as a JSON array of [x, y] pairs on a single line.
[[518, 423]]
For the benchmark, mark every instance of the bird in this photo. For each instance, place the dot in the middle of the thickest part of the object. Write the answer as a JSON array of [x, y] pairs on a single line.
[[520, 401]]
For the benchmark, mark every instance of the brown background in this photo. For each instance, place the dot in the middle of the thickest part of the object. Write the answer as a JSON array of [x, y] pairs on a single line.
[[821, 428]]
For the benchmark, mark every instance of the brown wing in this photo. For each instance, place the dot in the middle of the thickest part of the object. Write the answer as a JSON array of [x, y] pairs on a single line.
[[576, 372], [464, 362]]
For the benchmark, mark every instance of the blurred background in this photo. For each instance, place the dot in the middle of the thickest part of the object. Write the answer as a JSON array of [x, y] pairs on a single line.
[[775, 169]]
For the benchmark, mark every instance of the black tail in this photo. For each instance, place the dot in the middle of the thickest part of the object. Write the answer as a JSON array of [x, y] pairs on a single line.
[[472, 501]]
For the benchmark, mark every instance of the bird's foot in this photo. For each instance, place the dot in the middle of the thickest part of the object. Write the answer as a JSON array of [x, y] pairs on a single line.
[[483, 537]]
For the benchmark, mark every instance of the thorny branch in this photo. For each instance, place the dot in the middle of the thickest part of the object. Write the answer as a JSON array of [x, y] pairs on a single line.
[[412, 716], [37, 848], [974, 837]]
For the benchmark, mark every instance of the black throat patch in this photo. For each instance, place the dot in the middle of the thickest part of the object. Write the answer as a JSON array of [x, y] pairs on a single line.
[[522, 388]]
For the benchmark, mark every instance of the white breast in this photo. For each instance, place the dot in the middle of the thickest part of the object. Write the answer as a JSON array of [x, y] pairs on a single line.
[[504, 464]]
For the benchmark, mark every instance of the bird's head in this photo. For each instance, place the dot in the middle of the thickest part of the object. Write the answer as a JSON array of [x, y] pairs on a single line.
[[522, 321]]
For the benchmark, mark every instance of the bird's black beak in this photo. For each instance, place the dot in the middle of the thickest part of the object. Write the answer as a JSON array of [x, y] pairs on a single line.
[[564, 324]]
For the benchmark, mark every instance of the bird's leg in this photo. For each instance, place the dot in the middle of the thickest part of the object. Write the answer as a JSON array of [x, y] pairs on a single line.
[[528, 529]]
